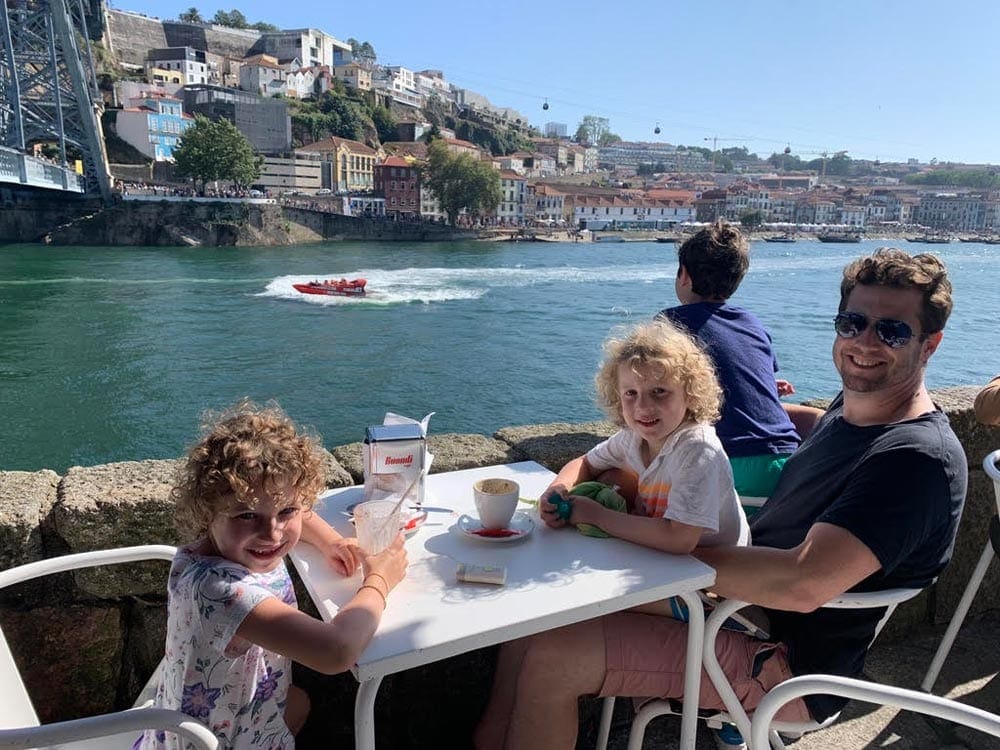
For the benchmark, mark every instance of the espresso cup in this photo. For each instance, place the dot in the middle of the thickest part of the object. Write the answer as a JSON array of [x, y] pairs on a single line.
[[496, 500]]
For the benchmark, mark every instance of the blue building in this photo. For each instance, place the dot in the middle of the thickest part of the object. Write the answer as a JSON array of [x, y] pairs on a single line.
[[153, 123]]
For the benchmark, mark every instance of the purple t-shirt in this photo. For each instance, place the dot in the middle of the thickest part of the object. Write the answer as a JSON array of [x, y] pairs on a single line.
[[753, 421]]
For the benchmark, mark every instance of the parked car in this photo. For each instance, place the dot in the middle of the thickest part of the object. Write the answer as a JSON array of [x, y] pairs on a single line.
[[324, 191]]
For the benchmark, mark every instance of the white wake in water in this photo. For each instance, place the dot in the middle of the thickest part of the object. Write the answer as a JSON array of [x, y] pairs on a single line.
[[428, 285]]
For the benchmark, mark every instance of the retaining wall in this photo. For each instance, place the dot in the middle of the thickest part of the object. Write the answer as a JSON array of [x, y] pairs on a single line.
[[86, 642]]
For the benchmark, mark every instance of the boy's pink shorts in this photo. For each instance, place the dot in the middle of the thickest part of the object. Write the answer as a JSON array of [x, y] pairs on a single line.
[[645, 657]]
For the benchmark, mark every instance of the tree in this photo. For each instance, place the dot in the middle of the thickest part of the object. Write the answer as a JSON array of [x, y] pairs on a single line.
[[191, 15], [234, 19], [595, 130], [363, 53], [752, 219], [459, 181], [385, 124], [211, 151]]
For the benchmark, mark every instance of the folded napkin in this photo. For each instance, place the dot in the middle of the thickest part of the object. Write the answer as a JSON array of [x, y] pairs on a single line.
[[606, 496]]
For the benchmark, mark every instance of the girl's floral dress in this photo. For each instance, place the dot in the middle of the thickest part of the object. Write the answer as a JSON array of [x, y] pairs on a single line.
[[234, 687]]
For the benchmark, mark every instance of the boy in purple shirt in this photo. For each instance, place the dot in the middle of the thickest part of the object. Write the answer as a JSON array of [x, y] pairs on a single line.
[[755, 429]]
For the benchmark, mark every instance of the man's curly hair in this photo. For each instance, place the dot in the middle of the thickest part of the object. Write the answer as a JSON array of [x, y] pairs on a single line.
[[671, 354], [897, 269], [244, 449]]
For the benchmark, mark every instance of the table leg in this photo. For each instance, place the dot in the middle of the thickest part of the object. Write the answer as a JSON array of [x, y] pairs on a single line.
[[364, 714], [692, 670]]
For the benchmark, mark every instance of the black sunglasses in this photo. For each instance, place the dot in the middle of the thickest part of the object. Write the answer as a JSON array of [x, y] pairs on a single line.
[[893, 333]]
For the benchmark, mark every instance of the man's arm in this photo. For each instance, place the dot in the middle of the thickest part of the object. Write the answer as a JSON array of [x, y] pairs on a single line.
[[828, 562], [803, 417], [988, 403]]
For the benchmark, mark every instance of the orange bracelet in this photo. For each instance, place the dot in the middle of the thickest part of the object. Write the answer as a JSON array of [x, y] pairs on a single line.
[[379, 575], [377, 590]]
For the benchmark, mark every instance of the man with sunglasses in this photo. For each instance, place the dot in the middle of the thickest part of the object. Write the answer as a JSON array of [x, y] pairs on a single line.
[[869, 501], [872, 498]]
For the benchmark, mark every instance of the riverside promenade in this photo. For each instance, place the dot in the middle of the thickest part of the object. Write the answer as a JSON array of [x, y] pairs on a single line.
[[86, 643]]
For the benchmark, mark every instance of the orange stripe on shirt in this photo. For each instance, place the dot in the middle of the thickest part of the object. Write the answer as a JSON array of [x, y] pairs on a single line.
[[654, 498]]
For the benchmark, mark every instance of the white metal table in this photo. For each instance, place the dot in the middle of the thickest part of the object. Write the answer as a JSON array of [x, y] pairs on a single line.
[[555, 577]]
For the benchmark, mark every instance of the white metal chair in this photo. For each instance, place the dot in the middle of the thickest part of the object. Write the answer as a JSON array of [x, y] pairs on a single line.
[[734, 713], [975, 580], [19, 726], [861, 690]]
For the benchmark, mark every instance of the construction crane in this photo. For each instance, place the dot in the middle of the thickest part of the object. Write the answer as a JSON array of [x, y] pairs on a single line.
[[715, 144], [825, 156]]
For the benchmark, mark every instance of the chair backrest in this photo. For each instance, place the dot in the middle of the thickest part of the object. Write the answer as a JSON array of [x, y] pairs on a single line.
[[15, 705], [16, 709], [993, 472], [888, 598], [862, 690]]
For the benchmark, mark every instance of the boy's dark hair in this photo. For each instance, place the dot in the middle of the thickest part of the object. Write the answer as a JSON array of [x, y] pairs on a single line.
[[717, 259]]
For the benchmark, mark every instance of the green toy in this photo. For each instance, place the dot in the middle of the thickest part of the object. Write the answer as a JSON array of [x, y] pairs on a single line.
[[606, 496]]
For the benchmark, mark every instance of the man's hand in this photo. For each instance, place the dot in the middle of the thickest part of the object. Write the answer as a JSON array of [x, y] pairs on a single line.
[[785, 388]]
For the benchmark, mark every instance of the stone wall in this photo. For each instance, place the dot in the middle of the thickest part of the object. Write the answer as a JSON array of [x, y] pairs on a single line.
[[175, 222], [132, 35], [105, 627], [27, 214]]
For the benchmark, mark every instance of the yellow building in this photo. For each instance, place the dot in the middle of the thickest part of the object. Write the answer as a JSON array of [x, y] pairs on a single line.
[[348, 166]]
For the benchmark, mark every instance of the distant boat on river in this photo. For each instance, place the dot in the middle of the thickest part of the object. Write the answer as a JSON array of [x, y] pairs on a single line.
[[780, 238], [931, 239], [839, 237]]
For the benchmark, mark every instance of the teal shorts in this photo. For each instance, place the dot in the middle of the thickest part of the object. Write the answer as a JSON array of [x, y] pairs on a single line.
[[756, 476]]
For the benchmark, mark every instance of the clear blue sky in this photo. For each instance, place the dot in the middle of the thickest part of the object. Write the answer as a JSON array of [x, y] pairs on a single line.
[[887, 79]]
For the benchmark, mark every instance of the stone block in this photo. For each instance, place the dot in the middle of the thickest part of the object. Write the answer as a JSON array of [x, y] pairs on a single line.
[[69, 658], [452, 451], [980, 507], [336, 475], [144, 642], [118, 505], [553, 445], [349, 458], [26, 499], [977, 439], [457, 451]]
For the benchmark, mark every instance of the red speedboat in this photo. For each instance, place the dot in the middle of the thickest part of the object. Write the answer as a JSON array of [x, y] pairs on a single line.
[[341, 287]]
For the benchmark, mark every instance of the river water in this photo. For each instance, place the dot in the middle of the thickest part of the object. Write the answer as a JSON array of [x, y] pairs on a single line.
[[110, 354]]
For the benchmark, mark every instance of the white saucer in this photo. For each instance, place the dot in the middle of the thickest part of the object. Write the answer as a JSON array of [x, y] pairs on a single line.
[[521, 525]]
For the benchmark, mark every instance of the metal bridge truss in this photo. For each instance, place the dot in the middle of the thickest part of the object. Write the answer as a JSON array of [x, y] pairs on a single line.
[[48, 86]]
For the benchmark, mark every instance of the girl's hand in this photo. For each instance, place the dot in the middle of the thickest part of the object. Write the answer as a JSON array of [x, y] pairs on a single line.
[[344, 555], [549, 512], [390, 564]]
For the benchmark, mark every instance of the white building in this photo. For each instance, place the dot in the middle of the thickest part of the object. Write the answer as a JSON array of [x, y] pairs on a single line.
[[400, 83], [555, 130], [629, 212], [310, 46], [262, 75], [189, 65], [432, 83], [510, 210]]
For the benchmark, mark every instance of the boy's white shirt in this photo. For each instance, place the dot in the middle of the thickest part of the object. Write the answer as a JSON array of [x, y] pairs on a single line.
[[690, 476]]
